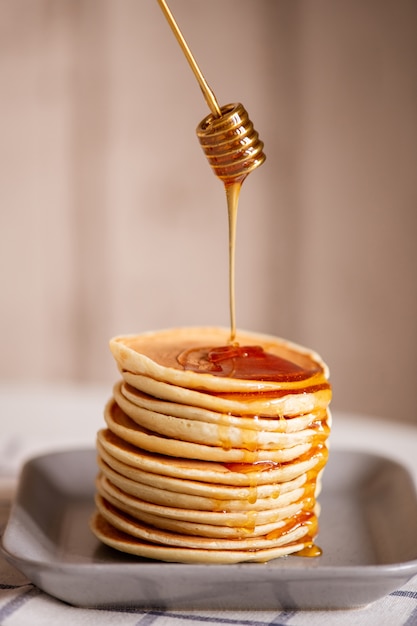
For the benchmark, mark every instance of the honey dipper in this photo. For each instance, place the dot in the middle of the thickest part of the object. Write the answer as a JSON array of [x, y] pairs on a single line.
[[232, 147], [227, 136]]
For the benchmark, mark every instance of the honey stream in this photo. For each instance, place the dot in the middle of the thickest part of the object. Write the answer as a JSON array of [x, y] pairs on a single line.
[[232, 197]]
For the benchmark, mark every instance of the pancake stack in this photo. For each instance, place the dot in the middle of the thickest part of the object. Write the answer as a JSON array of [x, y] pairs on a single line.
[[212, 453]]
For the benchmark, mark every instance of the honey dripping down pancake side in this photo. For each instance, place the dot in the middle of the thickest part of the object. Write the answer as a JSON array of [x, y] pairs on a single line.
[[212, 452]]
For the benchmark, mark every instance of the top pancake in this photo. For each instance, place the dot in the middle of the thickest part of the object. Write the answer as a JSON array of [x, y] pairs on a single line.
[[155, 355]]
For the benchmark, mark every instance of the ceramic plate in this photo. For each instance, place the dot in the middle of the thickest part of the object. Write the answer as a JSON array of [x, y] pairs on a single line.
[[367, 532]]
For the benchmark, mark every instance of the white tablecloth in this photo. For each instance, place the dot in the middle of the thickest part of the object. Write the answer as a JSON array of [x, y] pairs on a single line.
[[37, 420]]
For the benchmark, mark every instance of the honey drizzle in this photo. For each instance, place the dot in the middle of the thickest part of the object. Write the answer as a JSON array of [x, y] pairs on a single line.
[[232, 197], [223, 430], [305, 517]]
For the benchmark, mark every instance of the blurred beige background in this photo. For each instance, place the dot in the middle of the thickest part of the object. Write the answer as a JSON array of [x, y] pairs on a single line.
[[112, 222]]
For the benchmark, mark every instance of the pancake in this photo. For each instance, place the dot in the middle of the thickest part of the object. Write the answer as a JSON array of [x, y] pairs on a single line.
[[184, 500], [206, 471], [247, 519], [155, 355], [289, 424], [119, 423], [212, 452], [125, 542], [194, 487], [293, 533], [210, 434], [263, 404], [198, 528]]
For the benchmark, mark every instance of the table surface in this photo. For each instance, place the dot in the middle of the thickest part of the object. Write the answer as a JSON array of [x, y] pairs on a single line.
[[36, 420]]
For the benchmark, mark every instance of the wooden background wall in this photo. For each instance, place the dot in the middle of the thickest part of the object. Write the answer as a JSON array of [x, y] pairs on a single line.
[[111, 221]]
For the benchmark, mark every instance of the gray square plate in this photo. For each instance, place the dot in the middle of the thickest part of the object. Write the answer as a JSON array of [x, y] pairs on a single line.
[[368, 533]]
